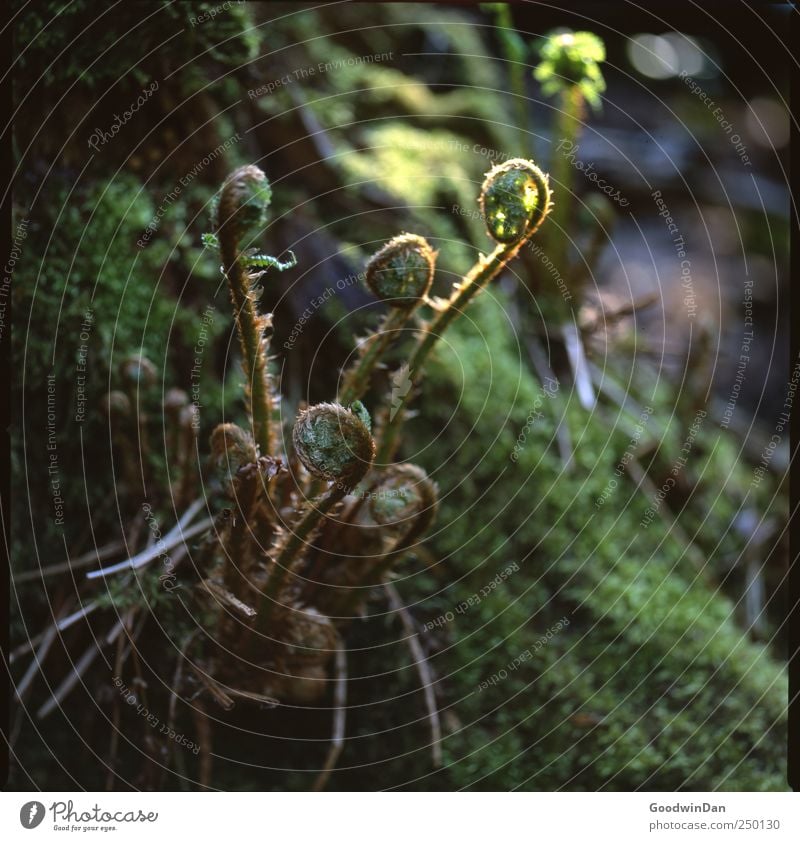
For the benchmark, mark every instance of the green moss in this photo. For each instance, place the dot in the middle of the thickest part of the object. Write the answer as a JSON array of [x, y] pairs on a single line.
[[77, 33], [652, 684], [102, 298]]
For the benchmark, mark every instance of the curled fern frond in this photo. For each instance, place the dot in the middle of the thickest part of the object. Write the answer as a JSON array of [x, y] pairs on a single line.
[[403, 503], [232, 447], [243, 202], [515, 196], [251, 259], [138, 371], [405, 493], [116, 404], [334, 443], [401, 273], [174, 400]]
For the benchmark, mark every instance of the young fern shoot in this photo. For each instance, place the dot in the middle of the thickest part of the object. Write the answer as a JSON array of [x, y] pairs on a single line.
[[515, 200], [569, 69], [401, 274], [242, 207]]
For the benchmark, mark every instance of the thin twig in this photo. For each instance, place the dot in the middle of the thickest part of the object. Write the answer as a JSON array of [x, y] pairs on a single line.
[[177, 677], [424, 669], [36, 664], [545, 372], [219, 695], [60, 625], [224, 597], [607, 317], [339, 718], [204, 740], [172, 539], [114, 742], [69, 682], [93, 556], [573, 342]]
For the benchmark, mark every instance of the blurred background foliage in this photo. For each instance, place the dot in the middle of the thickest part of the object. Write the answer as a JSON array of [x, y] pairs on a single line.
[[671, 672]]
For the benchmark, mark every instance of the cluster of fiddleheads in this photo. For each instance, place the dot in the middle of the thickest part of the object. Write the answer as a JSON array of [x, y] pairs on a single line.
[[308, 529]]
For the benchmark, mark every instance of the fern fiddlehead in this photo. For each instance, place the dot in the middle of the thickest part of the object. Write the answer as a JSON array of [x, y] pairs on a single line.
[[405, 500], [334, 444], [401, 274]]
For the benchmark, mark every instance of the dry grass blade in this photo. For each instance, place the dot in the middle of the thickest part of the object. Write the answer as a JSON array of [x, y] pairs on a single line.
[[59, 625], [88, 558], [170, 541], [38, 658], [69, 682], [217, 692], [204, 741], [424, 669], [339, 719]]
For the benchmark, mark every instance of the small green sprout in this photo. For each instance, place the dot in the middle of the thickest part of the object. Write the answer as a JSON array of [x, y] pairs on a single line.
[[572, 59]]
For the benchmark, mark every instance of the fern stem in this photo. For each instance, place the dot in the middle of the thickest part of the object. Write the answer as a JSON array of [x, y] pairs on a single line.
[[356, 380], [250, 327], [283, 563], [568, 130]]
